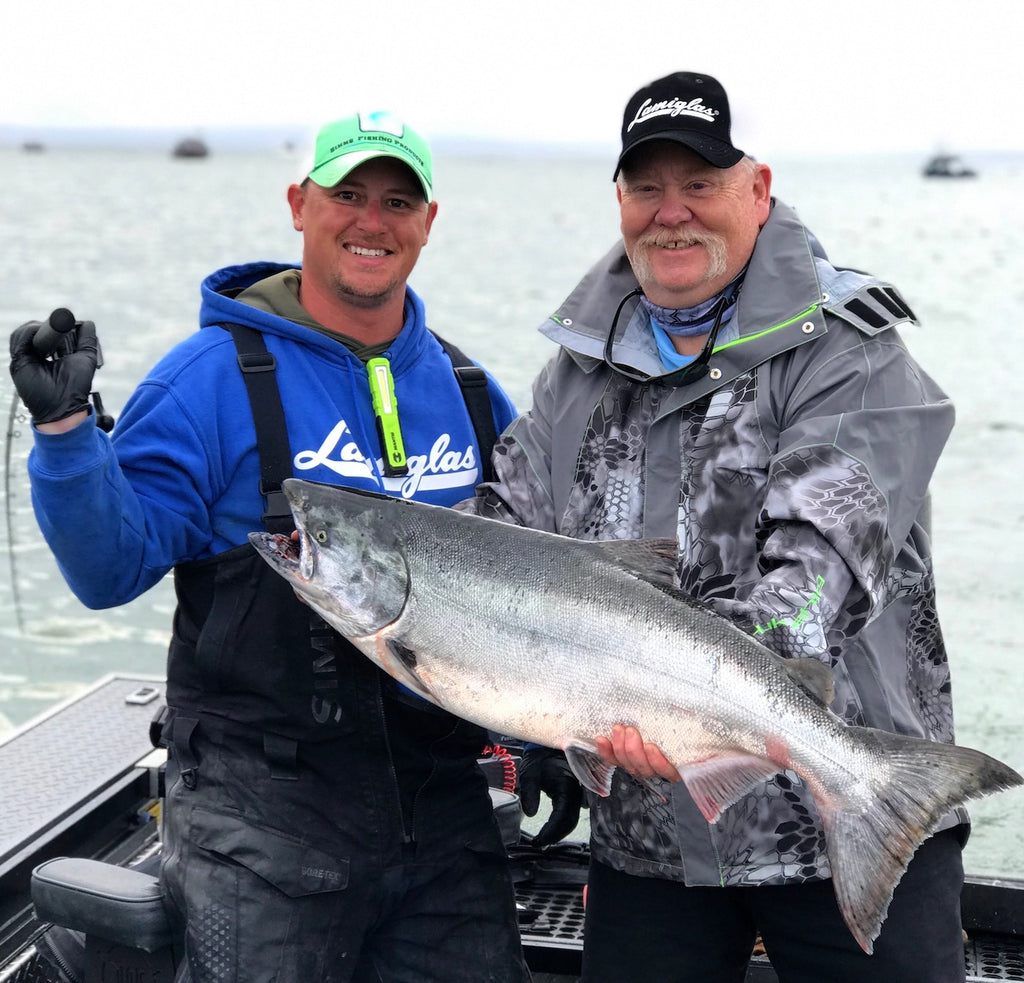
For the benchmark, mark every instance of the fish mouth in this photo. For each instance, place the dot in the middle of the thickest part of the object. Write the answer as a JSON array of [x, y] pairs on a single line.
[[283, 552]]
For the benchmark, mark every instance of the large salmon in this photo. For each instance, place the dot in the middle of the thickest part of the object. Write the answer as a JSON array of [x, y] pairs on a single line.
[[554, 640]]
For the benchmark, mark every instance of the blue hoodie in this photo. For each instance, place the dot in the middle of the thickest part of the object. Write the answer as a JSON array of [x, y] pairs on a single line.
[[178, 479]]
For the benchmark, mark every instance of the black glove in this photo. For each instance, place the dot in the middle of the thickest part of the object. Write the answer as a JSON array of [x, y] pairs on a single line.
[[53, 389], [545, 769]]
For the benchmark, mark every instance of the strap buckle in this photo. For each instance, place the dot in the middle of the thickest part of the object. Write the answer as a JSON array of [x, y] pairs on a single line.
[[257, 362]]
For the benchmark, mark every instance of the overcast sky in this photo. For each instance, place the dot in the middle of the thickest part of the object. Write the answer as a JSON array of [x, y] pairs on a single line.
[[804, 76]]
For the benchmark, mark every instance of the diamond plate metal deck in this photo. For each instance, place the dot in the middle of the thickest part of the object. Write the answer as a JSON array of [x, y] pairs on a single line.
[[552, 919], [60, 761]]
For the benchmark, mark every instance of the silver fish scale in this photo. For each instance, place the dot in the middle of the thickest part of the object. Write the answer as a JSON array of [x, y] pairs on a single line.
[[602, 645]]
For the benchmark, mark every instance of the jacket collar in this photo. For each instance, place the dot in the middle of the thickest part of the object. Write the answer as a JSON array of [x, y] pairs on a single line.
[[219, 305], [781, 287]]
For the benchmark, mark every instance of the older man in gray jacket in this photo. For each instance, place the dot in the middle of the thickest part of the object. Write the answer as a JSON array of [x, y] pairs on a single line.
[[720, 381]]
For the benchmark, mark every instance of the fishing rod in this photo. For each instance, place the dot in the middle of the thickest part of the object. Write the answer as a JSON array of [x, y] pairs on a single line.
[[12, 419], [55, 338]]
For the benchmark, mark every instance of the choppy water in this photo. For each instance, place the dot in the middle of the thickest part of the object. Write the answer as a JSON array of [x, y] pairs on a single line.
[[124, 239]]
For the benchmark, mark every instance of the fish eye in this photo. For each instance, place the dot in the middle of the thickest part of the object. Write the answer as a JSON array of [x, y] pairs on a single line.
[[320, 536]]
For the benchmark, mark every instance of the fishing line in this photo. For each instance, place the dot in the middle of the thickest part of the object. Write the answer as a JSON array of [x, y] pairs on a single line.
[[12, 418]]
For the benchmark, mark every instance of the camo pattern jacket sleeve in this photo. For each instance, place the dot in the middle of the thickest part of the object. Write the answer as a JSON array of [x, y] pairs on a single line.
[[521, 492]]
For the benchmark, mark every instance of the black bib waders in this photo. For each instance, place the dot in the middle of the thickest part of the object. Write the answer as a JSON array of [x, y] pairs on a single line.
[[321, 823]]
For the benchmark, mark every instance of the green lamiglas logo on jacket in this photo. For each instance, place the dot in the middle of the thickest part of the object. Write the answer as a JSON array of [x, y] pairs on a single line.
[[813, 599]]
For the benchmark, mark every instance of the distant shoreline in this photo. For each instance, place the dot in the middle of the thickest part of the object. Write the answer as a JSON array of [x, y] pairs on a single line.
[[295, 139], [291, 138]]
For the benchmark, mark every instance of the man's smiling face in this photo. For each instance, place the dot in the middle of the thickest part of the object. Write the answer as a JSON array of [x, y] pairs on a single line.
[[363, 236], [689, 227]]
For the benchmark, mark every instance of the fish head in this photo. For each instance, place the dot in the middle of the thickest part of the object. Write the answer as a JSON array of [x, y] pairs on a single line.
[[346, 564]]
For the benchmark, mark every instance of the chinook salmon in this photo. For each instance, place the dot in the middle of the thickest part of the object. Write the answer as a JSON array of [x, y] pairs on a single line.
[[554, 640]]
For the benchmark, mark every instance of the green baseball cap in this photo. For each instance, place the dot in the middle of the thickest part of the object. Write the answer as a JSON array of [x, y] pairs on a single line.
[[343, 145]]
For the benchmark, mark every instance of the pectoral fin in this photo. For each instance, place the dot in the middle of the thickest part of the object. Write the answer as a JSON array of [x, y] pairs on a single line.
[[593, 772], [399, 661], [716, 784]]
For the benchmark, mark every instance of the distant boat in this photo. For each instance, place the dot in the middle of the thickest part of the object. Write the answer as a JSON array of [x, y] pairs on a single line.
[[32, 147], [947, 165], [190, 147]]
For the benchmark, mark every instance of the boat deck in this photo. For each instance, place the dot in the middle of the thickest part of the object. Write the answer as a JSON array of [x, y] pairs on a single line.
[[553, 936], [82, 780], [66, 762]]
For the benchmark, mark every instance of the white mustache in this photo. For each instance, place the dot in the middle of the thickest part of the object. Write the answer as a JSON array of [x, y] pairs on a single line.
[[666, 239], [681, 240]]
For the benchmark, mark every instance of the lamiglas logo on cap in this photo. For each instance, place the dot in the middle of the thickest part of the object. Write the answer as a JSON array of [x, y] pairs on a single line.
[[381, 122], [381, 127], [673, 107], [378, 128]]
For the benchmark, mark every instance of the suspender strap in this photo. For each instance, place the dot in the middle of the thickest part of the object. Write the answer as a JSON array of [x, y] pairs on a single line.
[[178, 733], [473, 383], [258, 367], [258, 370]]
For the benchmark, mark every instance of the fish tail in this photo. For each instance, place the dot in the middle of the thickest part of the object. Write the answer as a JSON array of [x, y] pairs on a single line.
[[872, 830]]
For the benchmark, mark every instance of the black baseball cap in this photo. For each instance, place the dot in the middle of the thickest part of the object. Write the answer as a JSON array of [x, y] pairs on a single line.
[[690, 108]]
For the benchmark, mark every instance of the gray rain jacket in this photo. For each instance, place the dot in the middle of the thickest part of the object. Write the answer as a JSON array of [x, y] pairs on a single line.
[[795, 478]]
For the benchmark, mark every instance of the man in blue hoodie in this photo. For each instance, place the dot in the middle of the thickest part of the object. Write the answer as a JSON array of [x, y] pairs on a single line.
[[320, 822]]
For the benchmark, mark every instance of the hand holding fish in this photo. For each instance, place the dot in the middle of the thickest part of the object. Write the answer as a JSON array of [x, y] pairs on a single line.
[[626, 749]]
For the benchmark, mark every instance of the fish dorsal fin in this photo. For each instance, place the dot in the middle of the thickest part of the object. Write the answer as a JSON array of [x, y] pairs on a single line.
[[653, 560], [591, 770], [813, 677], [717, 783]]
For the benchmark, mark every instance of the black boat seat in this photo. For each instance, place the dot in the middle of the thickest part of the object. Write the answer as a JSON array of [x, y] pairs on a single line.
[[108, 922], [114, 903]]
